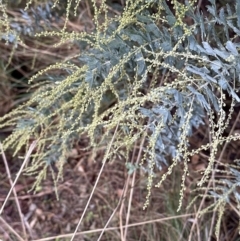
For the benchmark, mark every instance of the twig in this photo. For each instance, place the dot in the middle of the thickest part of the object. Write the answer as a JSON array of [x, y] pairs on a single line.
[[31, 148], [14, 192], [95, 185], [11, 229], [112, 215], [132, 185], [125, 194], [116, 228]]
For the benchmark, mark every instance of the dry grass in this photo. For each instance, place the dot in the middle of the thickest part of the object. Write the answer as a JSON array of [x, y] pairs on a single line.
[[114, 211], [45, 216], [108, 199]]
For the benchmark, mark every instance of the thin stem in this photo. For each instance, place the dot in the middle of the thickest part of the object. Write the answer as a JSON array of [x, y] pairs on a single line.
[[95, 185]]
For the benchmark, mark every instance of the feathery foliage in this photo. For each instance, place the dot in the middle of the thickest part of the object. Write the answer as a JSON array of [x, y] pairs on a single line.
[[149, 72]]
